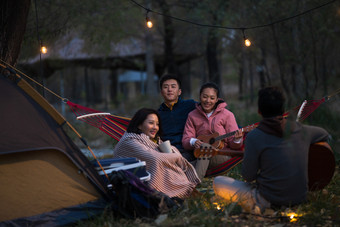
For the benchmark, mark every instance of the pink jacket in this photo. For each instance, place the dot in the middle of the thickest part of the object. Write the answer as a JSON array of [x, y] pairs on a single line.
[[221, 121]]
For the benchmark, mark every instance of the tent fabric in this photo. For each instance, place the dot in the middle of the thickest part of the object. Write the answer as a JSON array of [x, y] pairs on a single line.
[[41, 181], [60, 217], [41, 170]]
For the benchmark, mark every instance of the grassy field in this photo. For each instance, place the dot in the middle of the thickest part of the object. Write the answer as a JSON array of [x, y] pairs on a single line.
[[322, 208]]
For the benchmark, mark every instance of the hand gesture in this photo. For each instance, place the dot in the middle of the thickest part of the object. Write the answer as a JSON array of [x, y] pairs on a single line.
[[198, 144], [238, 134]]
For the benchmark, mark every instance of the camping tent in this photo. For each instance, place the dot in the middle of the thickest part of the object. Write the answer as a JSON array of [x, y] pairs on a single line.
[[45, 179]]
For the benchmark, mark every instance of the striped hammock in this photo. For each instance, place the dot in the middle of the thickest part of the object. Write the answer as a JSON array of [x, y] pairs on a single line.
[[115, 126], [112, 125]]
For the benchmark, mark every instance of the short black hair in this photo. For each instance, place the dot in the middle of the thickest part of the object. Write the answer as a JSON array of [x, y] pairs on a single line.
[[210, 85], [138, 119], [271, 101], [169, 76]]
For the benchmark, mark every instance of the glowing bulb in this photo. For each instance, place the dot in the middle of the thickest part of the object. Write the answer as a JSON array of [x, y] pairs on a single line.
[[218, 207], [149, 23], [247, 42], [43, 50], [293, 217]]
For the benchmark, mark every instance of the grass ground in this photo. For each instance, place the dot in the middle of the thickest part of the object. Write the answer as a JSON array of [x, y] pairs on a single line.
[[322, 208]]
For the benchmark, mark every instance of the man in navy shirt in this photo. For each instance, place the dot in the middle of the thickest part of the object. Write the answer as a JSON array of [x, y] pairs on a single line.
[[174, 112]]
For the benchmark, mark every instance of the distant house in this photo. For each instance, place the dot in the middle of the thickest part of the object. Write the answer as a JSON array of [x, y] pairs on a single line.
[[89, 77]]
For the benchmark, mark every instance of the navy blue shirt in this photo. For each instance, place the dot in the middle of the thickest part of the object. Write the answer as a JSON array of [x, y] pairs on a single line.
[[173, 121]]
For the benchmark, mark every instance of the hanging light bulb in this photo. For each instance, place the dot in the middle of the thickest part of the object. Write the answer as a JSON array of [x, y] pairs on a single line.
[[246, 41], [43, 49], [149, 23]]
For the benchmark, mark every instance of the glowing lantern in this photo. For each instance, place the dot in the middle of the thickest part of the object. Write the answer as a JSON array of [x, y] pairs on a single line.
[[43, 50]]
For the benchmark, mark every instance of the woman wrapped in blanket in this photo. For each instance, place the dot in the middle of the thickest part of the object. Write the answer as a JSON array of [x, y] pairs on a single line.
[[170, 172]]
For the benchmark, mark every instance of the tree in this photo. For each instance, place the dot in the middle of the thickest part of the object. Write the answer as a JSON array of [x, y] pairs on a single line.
[[12, 28]]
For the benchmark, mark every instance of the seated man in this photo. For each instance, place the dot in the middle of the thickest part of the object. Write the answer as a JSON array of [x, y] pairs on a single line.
[[275, 159], [174, 112]]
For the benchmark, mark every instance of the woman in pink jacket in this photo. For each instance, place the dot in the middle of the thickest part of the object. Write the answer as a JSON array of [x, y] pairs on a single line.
[[209, 117]]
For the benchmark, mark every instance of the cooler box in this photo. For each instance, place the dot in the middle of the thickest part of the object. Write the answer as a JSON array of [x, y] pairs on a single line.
[[132, 165]]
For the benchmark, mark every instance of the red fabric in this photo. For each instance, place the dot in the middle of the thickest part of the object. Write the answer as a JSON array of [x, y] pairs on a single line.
[[224, 167], [112, 125]]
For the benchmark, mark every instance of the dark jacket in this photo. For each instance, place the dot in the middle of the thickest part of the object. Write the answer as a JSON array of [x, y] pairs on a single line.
[[276, 156], [173, 121]]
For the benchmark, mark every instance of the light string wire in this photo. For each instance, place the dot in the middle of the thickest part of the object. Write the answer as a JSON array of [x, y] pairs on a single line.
[[235, 28]]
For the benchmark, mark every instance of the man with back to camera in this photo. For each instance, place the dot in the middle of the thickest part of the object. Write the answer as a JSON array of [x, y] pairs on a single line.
[[275, 158], [174, 112]]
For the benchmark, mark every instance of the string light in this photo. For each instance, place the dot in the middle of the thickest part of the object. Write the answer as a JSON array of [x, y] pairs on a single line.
[[149, 23], [246, 41], [43, 48]]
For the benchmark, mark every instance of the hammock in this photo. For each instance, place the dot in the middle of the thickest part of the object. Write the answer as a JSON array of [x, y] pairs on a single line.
[[115, 126]]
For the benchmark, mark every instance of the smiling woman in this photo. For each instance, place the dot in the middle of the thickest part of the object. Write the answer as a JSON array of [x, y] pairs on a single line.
[[150, 126], [210, 117], [170, 172]]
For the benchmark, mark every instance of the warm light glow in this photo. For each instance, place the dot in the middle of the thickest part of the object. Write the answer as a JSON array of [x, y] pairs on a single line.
[[218, 207], [43, 50], [293, 216], [247, 42], [149, 23]]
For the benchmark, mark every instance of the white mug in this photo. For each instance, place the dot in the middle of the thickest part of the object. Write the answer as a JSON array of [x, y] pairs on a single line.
[[165, 147]]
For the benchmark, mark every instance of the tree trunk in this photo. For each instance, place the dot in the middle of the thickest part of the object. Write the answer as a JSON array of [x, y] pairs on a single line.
[[251, 78], [241, 75], [12, 28], [212, 59], [264, 69], [169, 34], [280, 64], [114, 86], [87, 87], [151, 87], [314, 54]]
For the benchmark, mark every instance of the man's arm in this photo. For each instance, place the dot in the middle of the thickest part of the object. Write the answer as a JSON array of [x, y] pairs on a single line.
[[317, 134]]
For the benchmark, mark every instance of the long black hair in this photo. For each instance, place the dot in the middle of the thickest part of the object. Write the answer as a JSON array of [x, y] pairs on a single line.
[[138, 119]]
